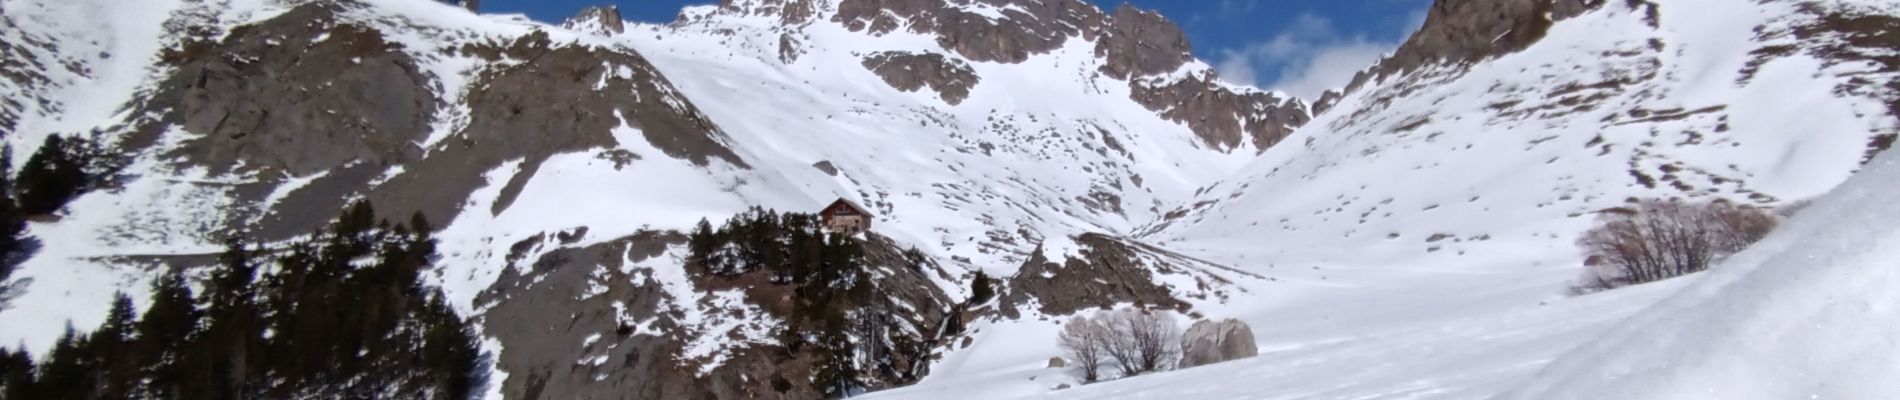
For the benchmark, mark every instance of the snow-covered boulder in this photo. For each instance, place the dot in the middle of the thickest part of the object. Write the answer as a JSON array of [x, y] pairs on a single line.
[[1208, 342]]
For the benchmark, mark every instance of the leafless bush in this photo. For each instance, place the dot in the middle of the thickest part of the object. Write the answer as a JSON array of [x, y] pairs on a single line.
[[1664, 239], [1138, 341], [1141, 340], [1086, 340]]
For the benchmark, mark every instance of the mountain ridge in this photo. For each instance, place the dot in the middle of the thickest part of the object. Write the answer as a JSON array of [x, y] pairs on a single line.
[[1082, 157]]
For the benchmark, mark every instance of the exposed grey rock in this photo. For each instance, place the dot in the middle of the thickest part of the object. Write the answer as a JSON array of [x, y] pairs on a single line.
[[1459, 31], [599, 20], [544, 352], [1326, 101], [950, 78], [1222, 116], [1058, 362], [276, 100], [1031, 27], [1133, 43], [826, 167], [788, 48], [790, 12], [1108, 272], [1141, 43], [272, 100], [550, 105], [1208, 342]]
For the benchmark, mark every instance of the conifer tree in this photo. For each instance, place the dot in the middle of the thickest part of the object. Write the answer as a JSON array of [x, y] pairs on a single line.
[[54, 175], [233, 335], [164, 333], [16, 375], [980, 288], [12, 220], [68, 372], [113, 346]]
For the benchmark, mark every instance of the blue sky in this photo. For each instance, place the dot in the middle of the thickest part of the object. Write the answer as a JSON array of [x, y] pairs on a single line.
[[1300, 46]]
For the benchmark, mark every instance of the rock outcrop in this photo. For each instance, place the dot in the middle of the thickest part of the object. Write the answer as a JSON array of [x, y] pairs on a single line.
[[1222, 116], [304, 94], [565, 98], [623, 332], [1027, 27], [308, 94], [1208, 342], [1107, 272], [1459, 31], [299, 94], [1135, 45], [1141, 43], [598, 20], [950, 78], [593, 347]]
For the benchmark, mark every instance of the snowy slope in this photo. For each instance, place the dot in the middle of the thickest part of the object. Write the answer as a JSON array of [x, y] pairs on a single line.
[[1421, 233], [1806, 313], [980, 183], [986, 179], [1412, 242]]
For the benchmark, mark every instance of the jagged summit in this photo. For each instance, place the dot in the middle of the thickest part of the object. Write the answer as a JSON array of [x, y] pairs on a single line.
[[600, 20], [1138, 46]]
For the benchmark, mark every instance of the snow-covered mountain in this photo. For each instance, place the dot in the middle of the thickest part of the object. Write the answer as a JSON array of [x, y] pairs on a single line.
[[1407, 236]]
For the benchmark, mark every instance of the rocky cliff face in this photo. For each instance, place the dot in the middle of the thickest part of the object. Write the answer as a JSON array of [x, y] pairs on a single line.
[[309, 96], [1222, 115], [1469, 31]]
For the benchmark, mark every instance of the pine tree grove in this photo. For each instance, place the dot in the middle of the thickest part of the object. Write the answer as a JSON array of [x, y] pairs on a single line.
[[342, 315]]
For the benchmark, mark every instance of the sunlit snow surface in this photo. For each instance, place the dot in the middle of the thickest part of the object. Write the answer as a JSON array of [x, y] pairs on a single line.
[[1421, 233], [1414, 242]]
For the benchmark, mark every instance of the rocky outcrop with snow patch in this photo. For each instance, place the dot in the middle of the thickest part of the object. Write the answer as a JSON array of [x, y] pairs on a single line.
[[598, 20], [636, 320], [950, 78], [1099, 271]]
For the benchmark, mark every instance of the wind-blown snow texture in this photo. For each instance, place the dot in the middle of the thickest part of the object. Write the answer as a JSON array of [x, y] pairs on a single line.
[[1411, 242]]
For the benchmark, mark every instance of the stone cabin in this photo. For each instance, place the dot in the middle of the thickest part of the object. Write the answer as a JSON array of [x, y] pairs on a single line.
[[843, 216]]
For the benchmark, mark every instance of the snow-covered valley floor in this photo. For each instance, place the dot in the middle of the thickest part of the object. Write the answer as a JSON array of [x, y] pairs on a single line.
[[1809, 312]]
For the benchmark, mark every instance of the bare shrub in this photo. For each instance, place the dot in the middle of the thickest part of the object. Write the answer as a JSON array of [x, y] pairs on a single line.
[[1138, 341], [1086, 340], [1142, 340], [1660, 239]]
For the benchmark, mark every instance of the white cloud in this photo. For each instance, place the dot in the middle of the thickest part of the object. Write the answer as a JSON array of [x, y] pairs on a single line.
[[1329, 67], [1308, 57], [1236, 67]]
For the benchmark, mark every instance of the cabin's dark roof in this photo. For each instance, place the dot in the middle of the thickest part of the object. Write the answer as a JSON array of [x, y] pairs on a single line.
[[847, 203]]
